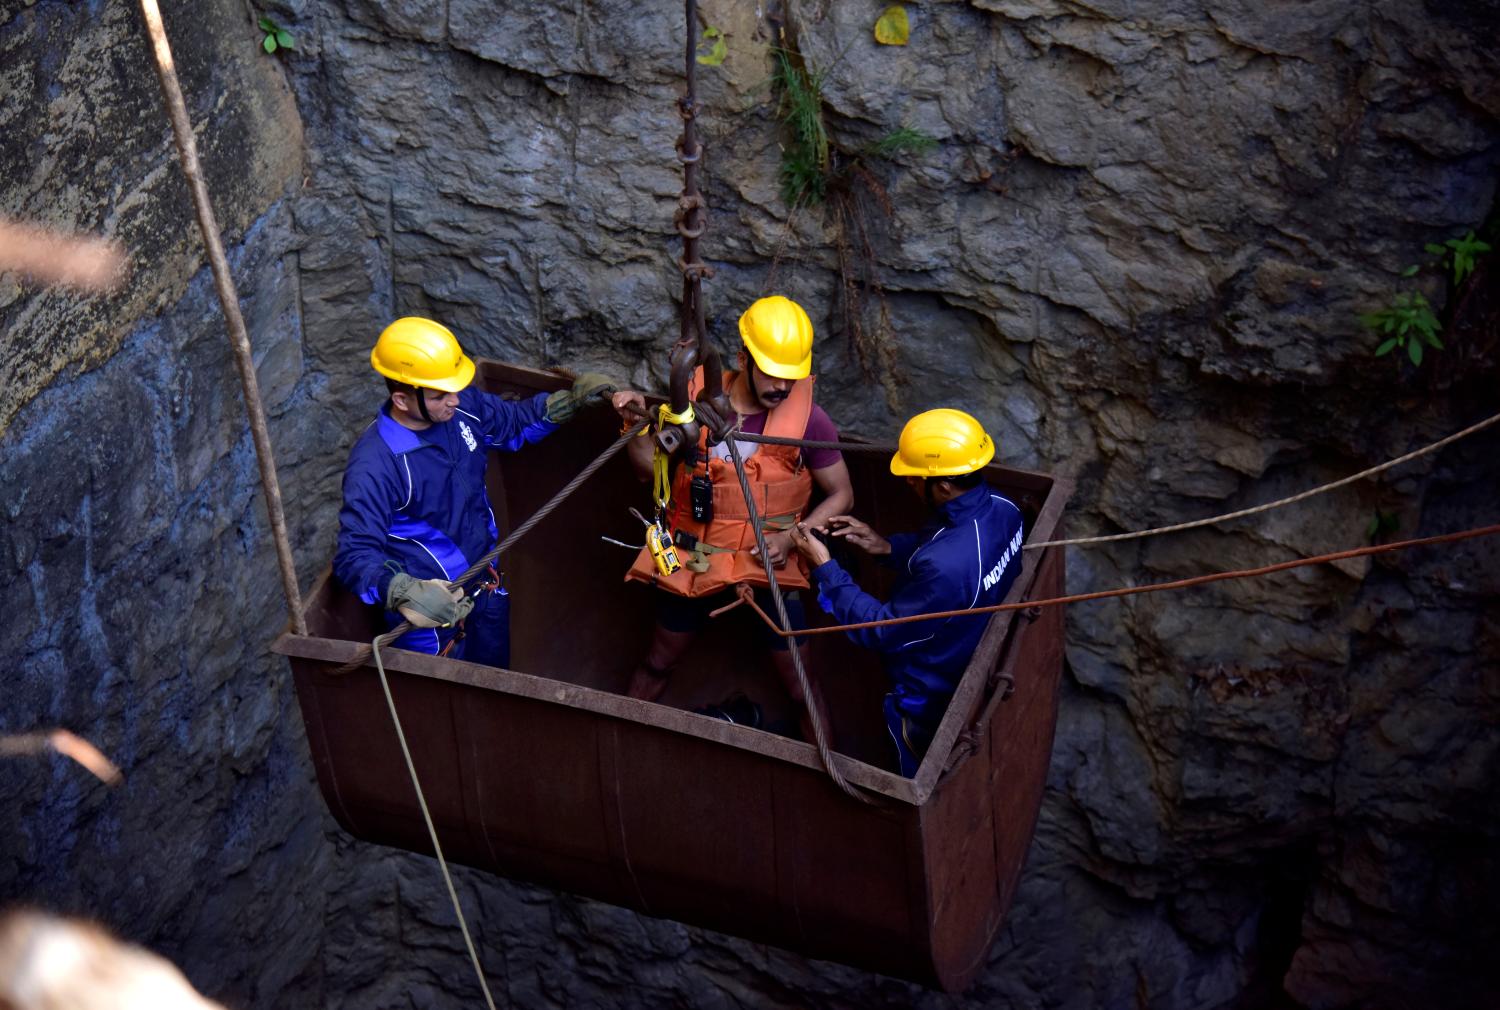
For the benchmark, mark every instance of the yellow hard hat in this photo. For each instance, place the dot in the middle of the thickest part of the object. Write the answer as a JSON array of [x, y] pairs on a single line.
[[420, 352], [941, 443], [779, 336]]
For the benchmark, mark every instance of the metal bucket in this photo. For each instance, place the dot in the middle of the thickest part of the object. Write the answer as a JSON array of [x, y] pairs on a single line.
[[547, 773]]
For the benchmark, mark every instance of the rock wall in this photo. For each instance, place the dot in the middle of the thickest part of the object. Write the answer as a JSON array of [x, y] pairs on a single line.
[[1137, 252]]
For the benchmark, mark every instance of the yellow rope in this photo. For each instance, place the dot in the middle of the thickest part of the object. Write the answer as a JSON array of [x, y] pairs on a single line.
[[431, 831]]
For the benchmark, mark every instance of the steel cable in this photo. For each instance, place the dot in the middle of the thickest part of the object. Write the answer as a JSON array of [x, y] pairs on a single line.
[[820, 734]]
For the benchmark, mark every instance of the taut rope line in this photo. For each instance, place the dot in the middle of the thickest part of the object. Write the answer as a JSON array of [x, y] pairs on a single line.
[[1176, 527], [1268, 506], [229, 300], [1242, 573]]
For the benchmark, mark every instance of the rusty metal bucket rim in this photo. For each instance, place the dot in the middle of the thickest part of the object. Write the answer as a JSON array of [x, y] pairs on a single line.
[[914, 791], [605, 703]]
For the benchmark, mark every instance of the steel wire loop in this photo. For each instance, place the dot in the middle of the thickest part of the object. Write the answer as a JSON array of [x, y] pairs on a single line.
[[820, 733]]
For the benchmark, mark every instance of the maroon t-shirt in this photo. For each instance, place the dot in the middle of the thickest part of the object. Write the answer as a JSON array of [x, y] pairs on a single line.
[[819, 428]]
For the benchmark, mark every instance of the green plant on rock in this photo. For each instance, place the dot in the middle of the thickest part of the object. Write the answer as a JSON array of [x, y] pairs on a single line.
[[811, 164], [805, 154], [1408, 321], [276, 36], [1458, 255], [902, 140], [816, 170]]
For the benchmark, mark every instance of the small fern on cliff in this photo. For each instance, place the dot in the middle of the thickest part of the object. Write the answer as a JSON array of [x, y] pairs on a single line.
[[805, 154], [1408, 321], [816, 170], [276, 37], [811, 164]]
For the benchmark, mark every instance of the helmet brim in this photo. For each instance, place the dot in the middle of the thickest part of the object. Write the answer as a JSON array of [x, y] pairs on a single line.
[[800, 370], [458, 381], [901, 468], [455, 383]]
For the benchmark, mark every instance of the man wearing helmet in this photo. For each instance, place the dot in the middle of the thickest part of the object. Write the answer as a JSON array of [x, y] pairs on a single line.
[[772, 394], [967, 555], [416, 514]]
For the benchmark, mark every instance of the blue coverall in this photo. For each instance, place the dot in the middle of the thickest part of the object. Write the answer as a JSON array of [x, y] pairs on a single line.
[[967, 555], [418, 498]]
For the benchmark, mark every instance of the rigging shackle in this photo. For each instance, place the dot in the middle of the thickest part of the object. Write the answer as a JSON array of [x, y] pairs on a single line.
[[673, 438]]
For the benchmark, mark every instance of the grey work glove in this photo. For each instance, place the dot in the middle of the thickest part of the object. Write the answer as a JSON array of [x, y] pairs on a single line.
[[563, 404], [427, 603]]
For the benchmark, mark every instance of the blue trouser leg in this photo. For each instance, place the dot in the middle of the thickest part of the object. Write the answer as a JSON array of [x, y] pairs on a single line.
[[911, 737], [487, 630]]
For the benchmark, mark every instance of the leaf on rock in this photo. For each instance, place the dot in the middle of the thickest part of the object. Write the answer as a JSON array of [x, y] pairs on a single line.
[[717, 47], [892, 27]]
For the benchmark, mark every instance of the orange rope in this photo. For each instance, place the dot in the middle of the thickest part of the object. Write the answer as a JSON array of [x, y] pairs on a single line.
[[1197, 580]]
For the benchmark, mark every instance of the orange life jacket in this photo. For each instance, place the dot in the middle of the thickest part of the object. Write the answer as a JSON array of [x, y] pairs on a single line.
[[782, 486]]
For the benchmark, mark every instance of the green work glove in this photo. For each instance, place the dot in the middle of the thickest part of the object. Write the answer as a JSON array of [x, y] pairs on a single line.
[[563, 404], [427, 603]]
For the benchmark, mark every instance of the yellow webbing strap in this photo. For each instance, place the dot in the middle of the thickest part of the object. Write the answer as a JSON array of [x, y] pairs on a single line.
[[661, 469], [661, 478], [668, 417]]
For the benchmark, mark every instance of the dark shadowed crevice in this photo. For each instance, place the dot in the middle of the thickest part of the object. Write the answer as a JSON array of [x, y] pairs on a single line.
[[1287, 885]]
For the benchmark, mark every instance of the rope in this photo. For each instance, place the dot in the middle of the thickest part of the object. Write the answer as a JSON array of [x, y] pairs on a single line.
[[229, 300], [1176, 527], [437, 847], [1197, 580], [483, 564], [820, 736], [1268, 506]]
